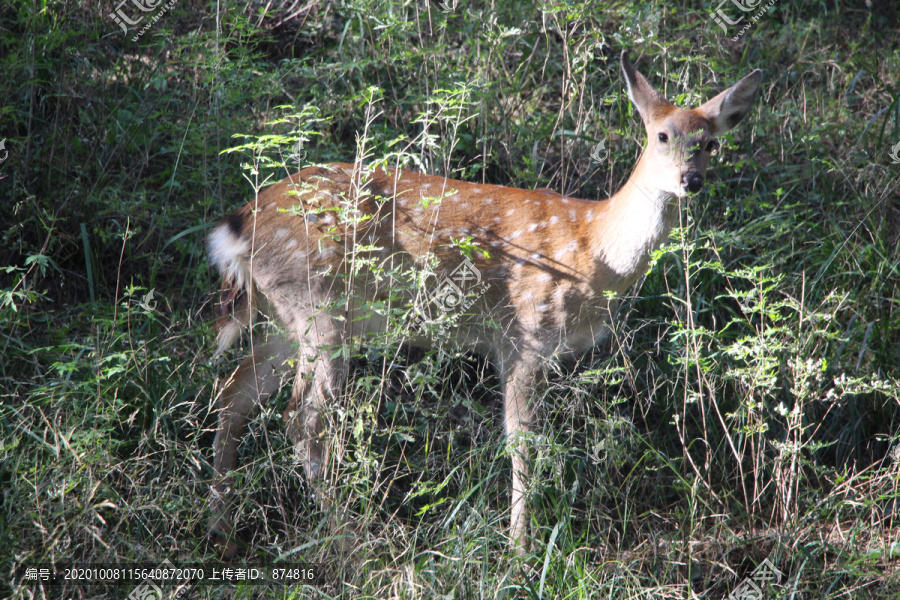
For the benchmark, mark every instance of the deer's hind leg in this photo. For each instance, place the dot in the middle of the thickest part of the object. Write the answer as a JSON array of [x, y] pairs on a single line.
[[321, 375], [251, 384]]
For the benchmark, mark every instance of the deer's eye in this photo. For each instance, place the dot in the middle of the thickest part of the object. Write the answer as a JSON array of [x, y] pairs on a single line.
[[712, 147], [662, 137]]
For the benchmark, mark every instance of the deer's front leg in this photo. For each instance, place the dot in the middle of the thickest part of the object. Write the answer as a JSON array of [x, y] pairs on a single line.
[[519, 378]]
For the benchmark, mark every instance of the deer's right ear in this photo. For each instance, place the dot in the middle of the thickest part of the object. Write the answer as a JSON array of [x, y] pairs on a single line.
[[642, 94]]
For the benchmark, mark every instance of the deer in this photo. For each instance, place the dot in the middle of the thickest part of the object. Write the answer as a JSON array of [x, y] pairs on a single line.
[[552, 269]]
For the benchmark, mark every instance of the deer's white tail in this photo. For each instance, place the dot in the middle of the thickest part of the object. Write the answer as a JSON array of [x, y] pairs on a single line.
[[229, 252]]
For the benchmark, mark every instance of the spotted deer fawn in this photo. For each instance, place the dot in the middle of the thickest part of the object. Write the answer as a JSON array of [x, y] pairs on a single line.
[[550, 271]]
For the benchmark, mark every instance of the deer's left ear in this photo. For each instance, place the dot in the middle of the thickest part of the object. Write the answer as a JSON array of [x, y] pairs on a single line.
[[728, 108]]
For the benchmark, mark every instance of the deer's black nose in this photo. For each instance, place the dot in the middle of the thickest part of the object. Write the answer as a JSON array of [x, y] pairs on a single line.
[[692, 182]]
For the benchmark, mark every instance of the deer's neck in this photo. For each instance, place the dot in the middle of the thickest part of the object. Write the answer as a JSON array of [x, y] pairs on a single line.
[[637, 220]]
